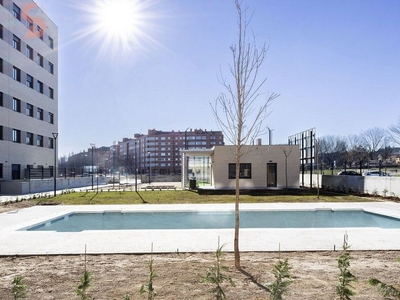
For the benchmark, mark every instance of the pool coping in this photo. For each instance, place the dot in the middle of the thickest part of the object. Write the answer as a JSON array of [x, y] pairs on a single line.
[[15, 242]]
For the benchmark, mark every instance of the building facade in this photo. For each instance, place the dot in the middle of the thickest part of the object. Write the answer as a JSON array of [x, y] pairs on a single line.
[[261, 167], [80, 164], [28, 90], [159, 152]]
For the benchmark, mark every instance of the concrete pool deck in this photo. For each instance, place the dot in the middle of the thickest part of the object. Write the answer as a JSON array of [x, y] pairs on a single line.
[[13, 241]]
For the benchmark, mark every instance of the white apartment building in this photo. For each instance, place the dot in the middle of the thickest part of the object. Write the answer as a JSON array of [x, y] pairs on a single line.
[[28, 90]]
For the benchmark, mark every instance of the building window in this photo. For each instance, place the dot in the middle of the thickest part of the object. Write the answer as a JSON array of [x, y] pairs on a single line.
[[39, 141], [29, 52], [51, 43], [29, 110], [29, 81], [1, 65], [29, 23], [51, 143], [16, 43], [16, 136], [40, 32], [15, 172], [1, 99], [40, 60], [39, 114], [40, 87], [244, 171], [16, 12], [1, 132], [51, 118], [51, 68], [29, 138], [16, 105], [1, 31], [16, 74], [1, 170], [51, 93]]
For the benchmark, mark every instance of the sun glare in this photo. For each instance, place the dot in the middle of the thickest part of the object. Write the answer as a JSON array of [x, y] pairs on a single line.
[[118, 17], [119, 26]]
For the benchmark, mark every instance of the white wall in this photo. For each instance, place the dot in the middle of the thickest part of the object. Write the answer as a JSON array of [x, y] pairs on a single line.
[[360, 184], [46, 185], [259, 157]]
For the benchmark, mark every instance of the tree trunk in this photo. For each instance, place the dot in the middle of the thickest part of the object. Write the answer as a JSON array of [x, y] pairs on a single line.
[[237, 188]]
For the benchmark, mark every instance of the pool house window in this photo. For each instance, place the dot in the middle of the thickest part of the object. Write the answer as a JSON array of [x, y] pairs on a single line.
[[244, 171]]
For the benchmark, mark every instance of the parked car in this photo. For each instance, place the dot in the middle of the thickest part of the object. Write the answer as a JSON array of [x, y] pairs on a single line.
[[375, 173], [352, 173]]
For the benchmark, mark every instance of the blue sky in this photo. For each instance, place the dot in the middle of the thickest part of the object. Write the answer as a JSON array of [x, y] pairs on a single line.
[[335, 64]]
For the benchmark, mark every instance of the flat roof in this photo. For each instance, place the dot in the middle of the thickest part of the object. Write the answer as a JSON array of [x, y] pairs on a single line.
[[16, 242]]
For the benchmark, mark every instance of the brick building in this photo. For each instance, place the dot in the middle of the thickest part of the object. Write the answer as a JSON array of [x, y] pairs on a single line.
[[158, 152]]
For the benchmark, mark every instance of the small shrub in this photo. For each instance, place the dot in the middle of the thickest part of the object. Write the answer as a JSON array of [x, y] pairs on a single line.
[[84, 285], [344, 287], [282, 281], [384, 192], [384, 289], [149, 288], [18, 288], [216, 276]]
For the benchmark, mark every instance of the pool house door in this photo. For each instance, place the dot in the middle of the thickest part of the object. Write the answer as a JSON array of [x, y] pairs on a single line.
[[271, 175]]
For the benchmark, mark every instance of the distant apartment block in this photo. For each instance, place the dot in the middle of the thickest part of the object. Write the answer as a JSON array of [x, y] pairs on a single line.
[[28, 89], [159, 152]]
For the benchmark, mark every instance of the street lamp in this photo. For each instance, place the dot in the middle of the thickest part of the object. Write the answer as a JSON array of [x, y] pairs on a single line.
[[148, 155], [92, 145], [186, 145], [135, 165], [55, 135], [186, 162]]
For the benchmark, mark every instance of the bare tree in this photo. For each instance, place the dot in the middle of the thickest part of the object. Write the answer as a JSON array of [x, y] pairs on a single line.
[[395, 132], [240, 119], [373, 140], [287, 153], [332, 150]]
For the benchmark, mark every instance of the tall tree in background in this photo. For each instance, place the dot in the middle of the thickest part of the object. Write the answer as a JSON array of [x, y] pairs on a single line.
[[373, 140], [242, 109], [395, 132]]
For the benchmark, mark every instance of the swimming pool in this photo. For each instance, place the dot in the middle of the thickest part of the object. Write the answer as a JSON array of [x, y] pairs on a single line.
[[14, 241], [320, 218]]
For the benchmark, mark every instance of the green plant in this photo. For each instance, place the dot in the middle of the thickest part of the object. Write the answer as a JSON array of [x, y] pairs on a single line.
[[18, 288], [344, 287], [384, 192], [215, 276], [384, 289], [149, 288], [282, 281], [84, 285]]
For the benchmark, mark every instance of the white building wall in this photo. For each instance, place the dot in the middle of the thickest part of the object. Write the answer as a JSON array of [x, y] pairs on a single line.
[[21, 153], [259, 157]]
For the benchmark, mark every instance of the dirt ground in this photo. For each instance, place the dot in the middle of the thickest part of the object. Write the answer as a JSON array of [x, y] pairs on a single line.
[[315, 274]]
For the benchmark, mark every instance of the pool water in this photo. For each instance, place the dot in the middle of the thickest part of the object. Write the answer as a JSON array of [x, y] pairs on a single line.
[[77, 222]]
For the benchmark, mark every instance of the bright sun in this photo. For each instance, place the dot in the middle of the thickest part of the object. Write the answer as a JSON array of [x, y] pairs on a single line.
[[118, 25], [118, 17]]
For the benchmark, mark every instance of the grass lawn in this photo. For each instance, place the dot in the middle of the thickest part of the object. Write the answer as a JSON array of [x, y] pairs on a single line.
[[178, 196]]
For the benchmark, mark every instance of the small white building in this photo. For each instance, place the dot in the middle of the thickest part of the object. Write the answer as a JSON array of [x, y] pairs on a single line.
[[261, 167]]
